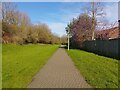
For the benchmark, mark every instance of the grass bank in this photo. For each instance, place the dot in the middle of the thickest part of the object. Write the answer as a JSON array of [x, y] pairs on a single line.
[[98, 71], [21, 62], [0, 66]]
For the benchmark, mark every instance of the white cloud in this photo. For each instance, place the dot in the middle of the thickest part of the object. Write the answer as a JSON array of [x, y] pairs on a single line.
[[111, 18], [119, 10], [57, 28], [112, 12], [68, 17]]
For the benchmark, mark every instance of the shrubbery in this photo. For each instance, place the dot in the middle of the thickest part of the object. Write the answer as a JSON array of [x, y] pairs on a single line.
[[17, 28]]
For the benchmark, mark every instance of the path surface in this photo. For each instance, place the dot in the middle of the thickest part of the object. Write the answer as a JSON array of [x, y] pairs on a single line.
[[59, 72]]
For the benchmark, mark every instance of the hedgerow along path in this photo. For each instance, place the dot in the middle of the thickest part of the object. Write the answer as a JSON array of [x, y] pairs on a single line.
[[59, 72]]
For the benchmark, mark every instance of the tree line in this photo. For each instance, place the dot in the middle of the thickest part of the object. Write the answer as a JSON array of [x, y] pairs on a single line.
[[84, 27], [17, 28]]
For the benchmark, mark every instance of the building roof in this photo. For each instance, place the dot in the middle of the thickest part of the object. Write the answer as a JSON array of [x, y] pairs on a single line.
[[111, 33]]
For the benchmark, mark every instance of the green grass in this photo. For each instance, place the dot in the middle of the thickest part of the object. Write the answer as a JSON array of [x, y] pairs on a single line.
[[21, 62], [0, 66], [98, 71]]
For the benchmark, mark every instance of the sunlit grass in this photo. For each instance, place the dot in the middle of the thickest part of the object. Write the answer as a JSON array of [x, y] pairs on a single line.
[[98, 71], [22, 62], [0, 66]]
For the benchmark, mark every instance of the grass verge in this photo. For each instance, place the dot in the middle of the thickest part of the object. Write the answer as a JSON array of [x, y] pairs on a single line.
[[98, 71], [0, 66], [21, 62]]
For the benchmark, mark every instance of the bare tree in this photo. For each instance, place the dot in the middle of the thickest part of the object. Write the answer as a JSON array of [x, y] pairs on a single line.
[[96, 11], [8, 12], [17, 28]]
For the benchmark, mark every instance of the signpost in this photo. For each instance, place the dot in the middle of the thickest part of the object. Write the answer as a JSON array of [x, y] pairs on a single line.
[[69, 36], [68, 40]]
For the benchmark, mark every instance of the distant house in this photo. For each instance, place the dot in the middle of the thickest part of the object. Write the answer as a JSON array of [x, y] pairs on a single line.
[[112, 33]]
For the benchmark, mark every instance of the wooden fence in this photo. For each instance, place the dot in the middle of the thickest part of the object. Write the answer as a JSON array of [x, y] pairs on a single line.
[[108, 48]]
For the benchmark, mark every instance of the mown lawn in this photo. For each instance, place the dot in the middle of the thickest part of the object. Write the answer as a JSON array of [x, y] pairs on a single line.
[[0, 66], [98, 71], [21, 62]]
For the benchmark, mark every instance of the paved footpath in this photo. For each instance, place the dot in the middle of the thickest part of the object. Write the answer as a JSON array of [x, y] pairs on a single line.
[[59, 72]]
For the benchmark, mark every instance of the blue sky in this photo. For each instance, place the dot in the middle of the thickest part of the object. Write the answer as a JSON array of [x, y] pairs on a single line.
[[57, 14]]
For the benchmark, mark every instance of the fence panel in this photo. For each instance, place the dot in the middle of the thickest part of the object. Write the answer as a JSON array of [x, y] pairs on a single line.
[[103, 47]]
